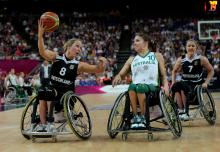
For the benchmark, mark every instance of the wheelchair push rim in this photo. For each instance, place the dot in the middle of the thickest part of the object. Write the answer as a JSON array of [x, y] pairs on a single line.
[[25, 124], [116, 117], [171, 114], [207, 104], [77, 115]]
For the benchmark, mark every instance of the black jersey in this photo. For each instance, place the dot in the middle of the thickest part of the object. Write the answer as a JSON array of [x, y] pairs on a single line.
[[192, 69], [63, 73]]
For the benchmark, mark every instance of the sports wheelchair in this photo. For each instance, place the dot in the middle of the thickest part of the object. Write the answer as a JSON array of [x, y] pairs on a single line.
[[14, 94], [121, 115], [201, 102], [77, 119]]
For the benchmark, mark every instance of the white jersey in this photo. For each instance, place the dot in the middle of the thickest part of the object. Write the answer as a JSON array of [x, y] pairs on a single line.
[[12, 80], [145, 70]]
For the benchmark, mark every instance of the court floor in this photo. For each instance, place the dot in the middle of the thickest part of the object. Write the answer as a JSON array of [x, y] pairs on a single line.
[[197, 135]]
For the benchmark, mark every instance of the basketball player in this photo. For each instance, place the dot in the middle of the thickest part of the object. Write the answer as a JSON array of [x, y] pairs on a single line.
[[146, 68], [63, 72], [190, 66]]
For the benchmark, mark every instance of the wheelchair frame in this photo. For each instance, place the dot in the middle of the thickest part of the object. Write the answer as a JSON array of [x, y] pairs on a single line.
[[168, 109], [204, 99], [13, 93], [75, 119]]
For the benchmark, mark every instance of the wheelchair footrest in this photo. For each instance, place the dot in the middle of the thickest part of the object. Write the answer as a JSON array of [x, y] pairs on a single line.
[[156, 129], [135, 131], [143, 130], [42, 136]]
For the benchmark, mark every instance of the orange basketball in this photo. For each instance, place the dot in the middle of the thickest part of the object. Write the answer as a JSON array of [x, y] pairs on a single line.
[[50, 21]]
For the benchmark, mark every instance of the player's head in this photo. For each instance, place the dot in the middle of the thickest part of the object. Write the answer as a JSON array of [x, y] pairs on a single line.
[[142, 42], [73, 47], [12, 71], [191, 46]]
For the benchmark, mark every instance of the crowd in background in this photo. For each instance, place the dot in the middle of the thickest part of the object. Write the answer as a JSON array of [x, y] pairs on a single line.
[[101, 37]]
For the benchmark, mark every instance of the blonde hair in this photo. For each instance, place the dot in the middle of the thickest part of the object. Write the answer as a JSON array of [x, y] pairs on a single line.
[[69, 43], [192, 40]]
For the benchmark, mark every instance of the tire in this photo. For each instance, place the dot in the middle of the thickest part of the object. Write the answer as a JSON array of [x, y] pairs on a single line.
[[207, 105], [77, 115], [116, 114], [26, 118], [10, 95], [170, 113]]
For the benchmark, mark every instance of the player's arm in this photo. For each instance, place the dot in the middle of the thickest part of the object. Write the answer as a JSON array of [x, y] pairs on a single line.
[[46, 54], [85, 67], [163, 74], [5, 81], [206, 64], [176, 69], [125, 69]]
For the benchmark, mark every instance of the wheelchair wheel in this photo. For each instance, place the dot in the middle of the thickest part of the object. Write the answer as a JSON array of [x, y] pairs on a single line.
[[28, 115], [9, 94], [207, 104], [116, 118], [170, 113], [77, 115]]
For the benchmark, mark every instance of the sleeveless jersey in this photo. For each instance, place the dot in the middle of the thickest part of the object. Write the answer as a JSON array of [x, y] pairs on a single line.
[[192, 68], [63, 73], [145, 70]]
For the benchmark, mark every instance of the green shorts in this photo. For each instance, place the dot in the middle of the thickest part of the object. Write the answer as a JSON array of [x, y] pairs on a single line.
[[143, 88]]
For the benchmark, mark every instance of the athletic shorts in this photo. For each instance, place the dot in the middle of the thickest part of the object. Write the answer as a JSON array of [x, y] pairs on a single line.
[[186, 86], [143, 88]]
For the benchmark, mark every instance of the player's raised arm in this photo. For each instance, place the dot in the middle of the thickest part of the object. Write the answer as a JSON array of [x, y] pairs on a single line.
[[46, 54]]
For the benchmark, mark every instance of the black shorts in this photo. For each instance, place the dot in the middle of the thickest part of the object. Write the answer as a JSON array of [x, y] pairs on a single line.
[[53, 94], [187, 87]]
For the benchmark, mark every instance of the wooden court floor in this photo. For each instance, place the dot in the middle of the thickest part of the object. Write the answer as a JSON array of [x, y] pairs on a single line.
[[198, 135]]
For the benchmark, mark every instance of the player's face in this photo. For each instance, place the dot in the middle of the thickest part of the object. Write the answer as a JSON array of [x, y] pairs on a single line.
[[76, 48], [191, 47], [12, 71], [139, 44]]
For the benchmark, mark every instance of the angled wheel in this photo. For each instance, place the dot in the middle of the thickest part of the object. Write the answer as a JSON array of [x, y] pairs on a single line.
[[207, 104], [30, 115], [170, 113], [77, 115], [9, 94], [116, 117]]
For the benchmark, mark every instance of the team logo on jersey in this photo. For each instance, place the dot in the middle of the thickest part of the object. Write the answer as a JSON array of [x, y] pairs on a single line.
[[145, 67], [71, 67], [196, 63]]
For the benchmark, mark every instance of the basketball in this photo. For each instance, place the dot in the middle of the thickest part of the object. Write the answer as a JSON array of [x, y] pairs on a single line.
[[50, 21]]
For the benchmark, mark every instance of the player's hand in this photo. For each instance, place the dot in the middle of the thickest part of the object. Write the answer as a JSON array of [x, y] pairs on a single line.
[[103, 60], [116, 80], [41, 28], [166, 90], [172, 84], [204, 85]]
